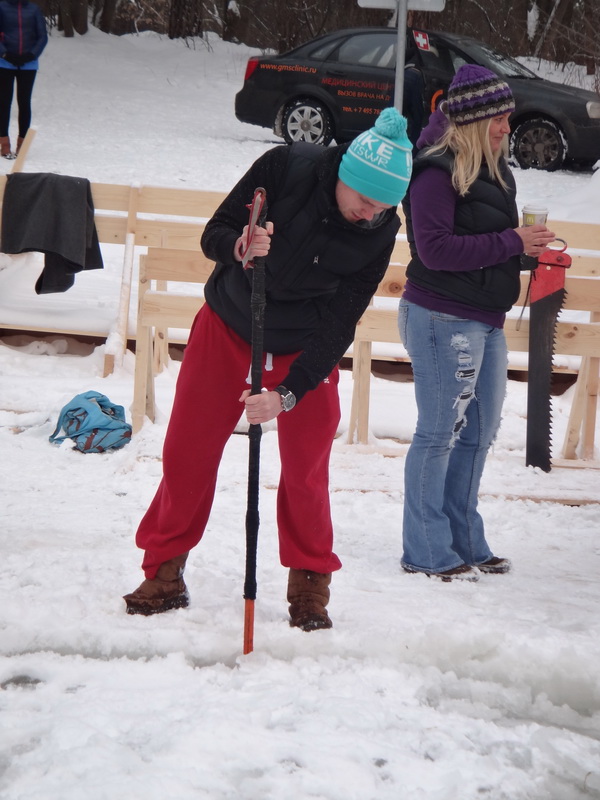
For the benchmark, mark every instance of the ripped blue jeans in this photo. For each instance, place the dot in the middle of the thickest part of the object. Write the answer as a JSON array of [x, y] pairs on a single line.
[[459, 367]]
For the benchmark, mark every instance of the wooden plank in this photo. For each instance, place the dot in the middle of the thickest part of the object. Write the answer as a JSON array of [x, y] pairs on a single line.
[[168, 234], [359, 411], [583, 294], [116, 342], [179, 202], [111, 229], [24, 150], [52, 329], [177, 265], [393, 282], [585, 265], [571, 440], [400, 253], [143, 392], [380, 325], [113, 196], [580, 463], [167, 309], [580, 235]]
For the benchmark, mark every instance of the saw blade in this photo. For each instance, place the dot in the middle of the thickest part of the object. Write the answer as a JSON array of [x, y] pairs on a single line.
[[543, 316]]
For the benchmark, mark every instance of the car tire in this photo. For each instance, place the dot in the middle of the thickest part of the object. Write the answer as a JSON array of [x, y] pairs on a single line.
[[538, 144], [307, 120]]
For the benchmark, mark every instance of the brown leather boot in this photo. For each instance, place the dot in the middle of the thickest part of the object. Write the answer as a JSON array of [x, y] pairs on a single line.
[[308, 594], [5, 150], [164, 592]]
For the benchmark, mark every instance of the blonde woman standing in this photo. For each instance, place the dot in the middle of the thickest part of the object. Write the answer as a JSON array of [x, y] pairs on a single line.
[[466, 247]]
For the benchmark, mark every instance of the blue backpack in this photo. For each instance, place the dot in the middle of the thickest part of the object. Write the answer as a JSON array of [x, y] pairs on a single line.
[[93, 423]]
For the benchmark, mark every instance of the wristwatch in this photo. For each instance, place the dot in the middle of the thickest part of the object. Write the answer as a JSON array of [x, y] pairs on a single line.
[[288, 399]]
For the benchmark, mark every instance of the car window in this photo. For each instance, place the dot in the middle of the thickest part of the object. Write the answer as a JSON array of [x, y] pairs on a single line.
[[458, 60], [368, 50], [499, 63], [323, 52], [436, 56]]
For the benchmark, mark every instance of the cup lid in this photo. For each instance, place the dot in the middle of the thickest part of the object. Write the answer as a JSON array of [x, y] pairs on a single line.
[[530, 208]]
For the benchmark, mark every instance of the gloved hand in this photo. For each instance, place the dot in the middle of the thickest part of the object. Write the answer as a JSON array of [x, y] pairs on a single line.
[[27, 57], [14, 58]]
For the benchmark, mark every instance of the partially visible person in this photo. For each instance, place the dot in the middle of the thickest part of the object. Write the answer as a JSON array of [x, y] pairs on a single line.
[[331, 231], [466, 245], [23, 38], [413, 98]]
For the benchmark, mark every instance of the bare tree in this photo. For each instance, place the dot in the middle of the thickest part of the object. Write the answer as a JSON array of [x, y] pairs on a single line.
[[185, 19], [558, 30], [72, 16], [273, 24]]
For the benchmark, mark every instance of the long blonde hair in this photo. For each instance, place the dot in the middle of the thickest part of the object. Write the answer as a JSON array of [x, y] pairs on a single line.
[[470, 145]]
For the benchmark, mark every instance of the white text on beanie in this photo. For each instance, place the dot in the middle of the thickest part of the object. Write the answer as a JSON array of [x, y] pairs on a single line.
[[378, 163]]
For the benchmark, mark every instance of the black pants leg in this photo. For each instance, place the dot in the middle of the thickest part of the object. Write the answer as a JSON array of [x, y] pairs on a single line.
[[7, 80], [25, 81]]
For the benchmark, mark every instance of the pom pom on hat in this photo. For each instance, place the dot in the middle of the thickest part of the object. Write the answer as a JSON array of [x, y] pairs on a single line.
[[477, 93], [378, 163]]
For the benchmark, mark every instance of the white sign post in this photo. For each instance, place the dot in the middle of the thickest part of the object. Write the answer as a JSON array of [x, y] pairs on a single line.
[[402, 6]]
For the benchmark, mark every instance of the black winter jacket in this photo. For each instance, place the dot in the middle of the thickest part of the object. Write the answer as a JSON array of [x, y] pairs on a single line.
[[487, 208], [321, 271]]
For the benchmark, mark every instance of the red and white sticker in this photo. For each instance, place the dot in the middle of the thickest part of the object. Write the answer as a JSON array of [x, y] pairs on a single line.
[[421, 40]]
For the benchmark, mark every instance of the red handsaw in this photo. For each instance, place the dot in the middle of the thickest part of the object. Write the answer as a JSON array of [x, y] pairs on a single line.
[[547, 297], [257, 217]]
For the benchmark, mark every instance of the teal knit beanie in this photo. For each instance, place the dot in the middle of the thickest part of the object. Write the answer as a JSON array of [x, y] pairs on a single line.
[[378, 163]]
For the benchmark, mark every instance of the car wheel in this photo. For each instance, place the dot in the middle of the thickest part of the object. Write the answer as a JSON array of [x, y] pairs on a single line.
[[538, 143], [307, 121]]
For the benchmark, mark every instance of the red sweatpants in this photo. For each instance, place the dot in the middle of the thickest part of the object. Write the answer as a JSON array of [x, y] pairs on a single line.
[[205, 412]]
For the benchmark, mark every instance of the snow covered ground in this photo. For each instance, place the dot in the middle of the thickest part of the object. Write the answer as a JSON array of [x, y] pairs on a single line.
[[422, 690]]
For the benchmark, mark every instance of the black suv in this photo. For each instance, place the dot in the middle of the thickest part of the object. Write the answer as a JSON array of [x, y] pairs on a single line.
[[334, 86]]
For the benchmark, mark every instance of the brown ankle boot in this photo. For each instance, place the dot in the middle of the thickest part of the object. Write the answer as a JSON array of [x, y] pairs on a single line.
[[5, 151], [164, 592], [308, 594]]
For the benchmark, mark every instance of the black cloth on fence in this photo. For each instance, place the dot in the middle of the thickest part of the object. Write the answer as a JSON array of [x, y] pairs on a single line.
[[54, 215]]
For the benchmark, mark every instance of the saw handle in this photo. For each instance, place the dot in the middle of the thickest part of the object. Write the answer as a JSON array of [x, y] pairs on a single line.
[[558, 249], [549, 277], [555, 258]]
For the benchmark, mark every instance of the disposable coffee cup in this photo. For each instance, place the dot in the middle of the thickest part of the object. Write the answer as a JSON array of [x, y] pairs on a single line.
[[534, 215]]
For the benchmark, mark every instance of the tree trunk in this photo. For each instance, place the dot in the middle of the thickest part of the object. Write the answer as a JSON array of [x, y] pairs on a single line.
[[80, 16], [65, 21], [554, 12], [185, 19], [107, 16]]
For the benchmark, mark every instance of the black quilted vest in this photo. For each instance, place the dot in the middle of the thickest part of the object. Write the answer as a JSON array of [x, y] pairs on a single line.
[[487, 208]]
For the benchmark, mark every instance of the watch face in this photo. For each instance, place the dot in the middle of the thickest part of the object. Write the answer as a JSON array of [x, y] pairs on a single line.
[[288, 399]]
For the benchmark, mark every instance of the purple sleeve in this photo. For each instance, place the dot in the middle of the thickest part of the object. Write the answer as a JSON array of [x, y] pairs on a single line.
[[432, 202]]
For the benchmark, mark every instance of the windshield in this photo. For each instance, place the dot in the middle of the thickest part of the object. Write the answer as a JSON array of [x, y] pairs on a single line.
[[499, 63]]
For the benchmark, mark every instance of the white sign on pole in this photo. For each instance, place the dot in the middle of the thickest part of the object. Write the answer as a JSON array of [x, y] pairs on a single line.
[[413, 5]]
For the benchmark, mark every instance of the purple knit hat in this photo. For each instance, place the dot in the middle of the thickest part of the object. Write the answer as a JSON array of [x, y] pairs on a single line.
[[477, 93]]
